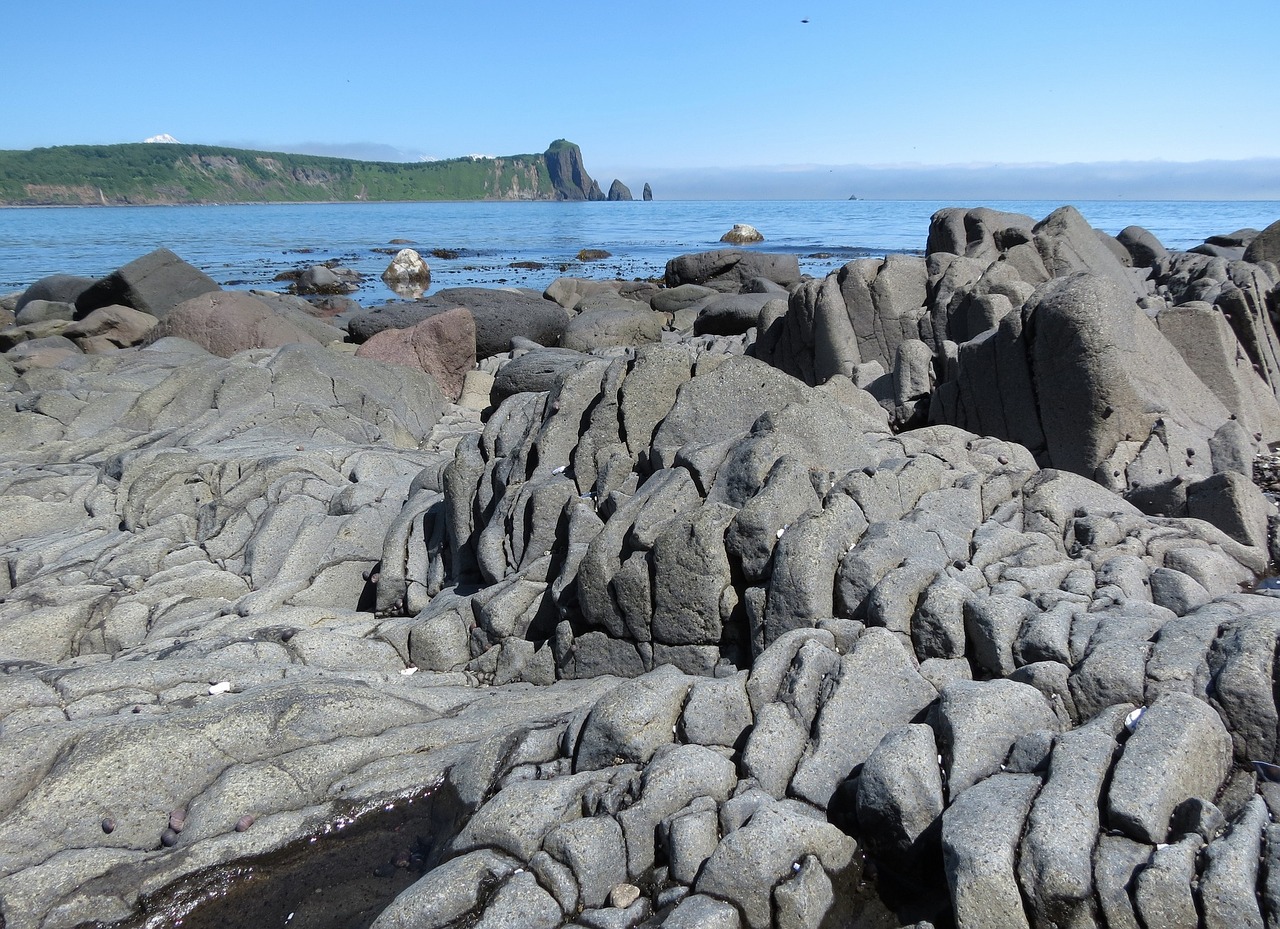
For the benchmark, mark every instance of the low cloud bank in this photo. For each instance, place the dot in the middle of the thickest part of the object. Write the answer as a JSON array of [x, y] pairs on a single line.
[[1253, 179]]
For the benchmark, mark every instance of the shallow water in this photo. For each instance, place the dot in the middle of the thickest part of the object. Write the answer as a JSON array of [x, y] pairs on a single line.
[[247, 245], [341, 878]]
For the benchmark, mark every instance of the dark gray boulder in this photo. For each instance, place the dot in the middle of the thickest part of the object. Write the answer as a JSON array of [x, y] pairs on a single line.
[[900, 798], [631, 722], [59, 288], [154, 283], [978, 724], [534, 371], [730, 314], [1145, 250], [1163, 890], [727, 269], [501, 315], [1265, 246], [751, 861]]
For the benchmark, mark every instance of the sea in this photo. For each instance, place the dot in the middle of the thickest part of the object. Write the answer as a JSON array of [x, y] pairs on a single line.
[[525, 244]]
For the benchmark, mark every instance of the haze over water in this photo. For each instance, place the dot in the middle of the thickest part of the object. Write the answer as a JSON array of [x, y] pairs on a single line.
[[248, 245]]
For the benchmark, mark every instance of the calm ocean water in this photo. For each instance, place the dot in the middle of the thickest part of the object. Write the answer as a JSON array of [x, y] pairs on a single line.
[[247, 245]]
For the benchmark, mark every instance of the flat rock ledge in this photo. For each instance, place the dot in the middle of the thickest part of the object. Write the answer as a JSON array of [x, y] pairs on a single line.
[[920, 602]]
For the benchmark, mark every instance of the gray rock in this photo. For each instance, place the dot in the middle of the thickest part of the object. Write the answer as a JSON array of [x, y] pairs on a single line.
[[698, 911], [447, 892], [727, 269], [900, 798], [677, 777], [520, 903], [1144, 248], [691, 577], [633, 720], [692, 836], [717, 712], [1163, 894], [803, 901], [1114, 872], [978, 724], [59, 288], [39, 311], [878, 690], [1265, 246], [730, 314], [611, 328], [1240, 667], [518, 818], [501, 315], [980, 836], [1179, 751], [1227, 884], [154, 283], [748, 863], [723, 404], [594, 850], [774, 748], [1055, 869]]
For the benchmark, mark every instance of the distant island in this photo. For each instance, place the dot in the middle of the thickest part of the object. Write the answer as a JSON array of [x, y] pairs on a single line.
[[174, 173]]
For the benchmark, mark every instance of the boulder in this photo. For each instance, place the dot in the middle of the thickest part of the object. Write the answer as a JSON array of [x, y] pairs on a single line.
[[730, 314], [407, 274], [1265, 246], [534, 371], [58, 288], [727, 269], [154, 283], [443, 346], [613, 328], [618, 191], [742, 234], [500, 315], [39, 311], [226, 322], [110, 327], [1145, 250]]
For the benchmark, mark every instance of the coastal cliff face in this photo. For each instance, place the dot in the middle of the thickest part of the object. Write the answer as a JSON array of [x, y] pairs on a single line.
[[568, 174], [137, 174]]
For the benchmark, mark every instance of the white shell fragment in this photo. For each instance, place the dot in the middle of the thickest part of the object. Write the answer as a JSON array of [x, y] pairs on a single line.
[[408, 671], [222, 687], [1131, 721]]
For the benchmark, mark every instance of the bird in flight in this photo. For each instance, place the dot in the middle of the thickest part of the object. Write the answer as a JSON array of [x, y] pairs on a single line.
[[804, 20]]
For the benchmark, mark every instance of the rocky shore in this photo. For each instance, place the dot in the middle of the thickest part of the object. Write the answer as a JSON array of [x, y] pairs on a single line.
[[929, 593]]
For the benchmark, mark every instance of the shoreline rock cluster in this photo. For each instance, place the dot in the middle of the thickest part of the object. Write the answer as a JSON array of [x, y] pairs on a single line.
[[920, 594]]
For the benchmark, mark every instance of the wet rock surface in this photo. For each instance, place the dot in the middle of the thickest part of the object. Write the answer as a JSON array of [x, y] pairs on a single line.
[[923, 600]]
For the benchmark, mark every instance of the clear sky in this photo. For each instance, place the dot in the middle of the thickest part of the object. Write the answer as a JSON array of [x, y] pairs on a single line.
[[656, 87]]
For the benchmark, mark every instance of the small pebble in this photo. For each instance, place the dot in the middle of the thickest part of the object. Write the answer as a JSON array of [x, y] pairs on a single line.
[[169, 838], [244, 822], [177, 819], [624, 895], [108, 825]]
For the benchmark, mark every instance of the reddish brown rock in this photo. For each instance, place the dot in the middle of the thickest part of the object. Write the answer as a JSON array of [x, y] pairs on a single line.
[[444, 346], [225, 322]]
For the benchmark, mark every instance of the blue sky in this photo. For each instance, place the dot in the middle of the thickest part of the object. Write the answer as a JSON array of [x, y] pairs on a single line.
[[660, 87]]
